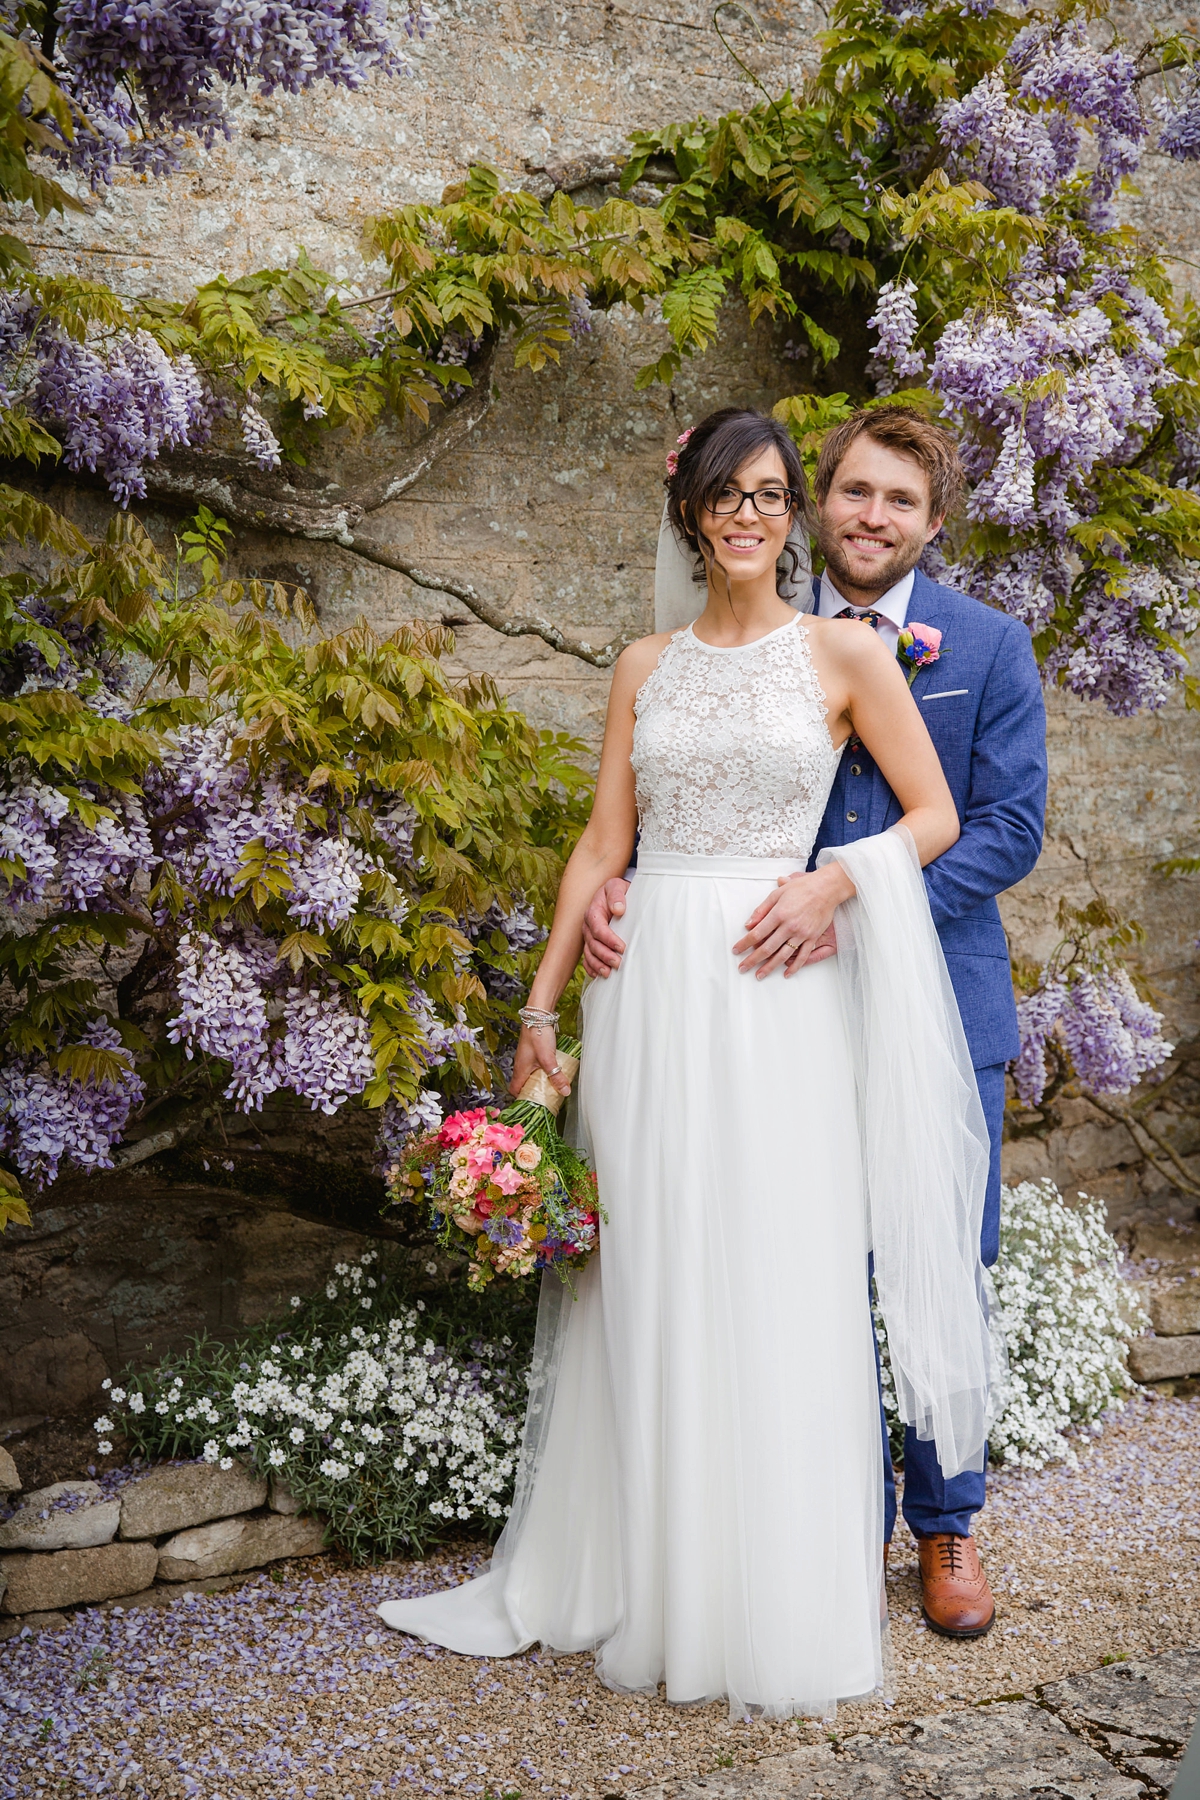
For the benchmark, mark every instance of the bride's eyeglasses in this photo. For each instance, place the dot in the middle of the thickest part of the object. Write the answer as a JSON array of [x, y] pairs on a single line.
[[769, 501]]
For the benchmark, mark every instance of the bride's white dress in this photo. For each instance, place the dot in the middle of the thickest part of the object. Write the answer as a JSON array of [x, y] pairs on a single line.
[[700, 1495]]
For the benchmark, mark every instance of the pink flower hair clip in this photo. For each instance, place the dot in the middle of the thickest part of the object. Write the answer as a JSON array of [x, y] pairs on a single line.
[[673, 455]]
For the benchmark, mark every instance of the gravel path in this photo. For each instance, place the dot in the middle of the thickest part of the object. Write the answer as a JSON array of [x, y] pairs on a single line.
[[287, 1686]]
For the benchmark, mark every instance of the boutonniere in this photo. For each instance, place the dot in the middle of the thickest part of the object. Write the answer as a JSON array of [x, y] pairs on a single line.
[[917, 647]]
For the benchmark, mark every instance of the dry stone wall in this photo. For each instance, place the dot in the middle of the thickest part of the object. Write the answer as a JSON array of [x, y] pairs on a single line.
[[552, 505], [77, 1543]]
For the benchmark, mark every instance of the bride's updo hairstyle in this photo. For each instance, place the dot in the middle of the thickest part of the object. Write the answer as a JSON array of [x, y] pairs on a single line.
[[715, 450]]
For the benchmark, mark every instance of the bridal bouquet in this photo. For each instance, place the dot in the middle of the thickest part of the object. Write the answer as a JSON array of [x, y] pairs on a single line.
[[505, 1185]]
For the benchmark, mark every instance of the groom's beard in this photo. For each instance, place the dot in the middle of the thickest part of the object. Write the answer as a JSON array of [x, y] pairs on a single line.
[[883, 575]]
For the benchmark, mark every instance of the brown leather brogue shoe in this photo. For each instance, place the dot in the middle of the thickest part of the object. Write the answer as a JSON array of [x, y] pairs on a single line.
[[956, 1599]]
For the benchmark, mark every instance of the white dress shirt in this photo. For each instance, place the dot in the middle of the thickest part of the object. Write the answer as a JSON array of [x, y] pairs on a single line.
[[892, 607]]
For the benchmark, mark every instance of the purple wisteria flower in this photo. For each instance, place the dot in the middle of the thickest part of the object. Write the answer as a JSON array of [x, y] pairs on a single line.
[[259, 439], [1112, 1037], [1019, 130], [30, 813], [223, 1012], [1180, 133], [120, 405], [324, 1054], [176, 56], [46, 1117], [113, 849], [397, 1124], [895, 324]]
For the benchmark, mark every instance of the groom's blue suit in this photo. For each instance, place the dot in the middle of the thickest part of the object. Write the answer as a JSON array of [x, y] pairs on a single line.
[[982, 704]]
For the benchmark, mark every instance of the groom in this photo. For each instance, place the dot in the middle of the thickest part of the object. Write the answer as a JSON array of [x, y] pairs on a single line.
[[885, 481]]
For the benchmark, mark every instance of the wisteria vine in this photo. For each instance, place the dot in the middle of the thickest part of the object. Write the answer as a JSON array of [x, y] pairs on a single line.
[[1059, 368], [190, 917], [146, 72], [1084, 1017]]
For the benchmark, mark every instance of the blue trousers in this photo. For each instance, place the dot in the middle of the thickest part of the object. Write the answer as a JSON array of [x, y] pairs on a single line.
[[931, 1503]]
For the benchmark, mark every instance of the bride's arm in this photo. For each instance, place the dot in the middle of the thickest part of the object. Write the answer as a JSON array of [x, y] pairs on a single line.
[[867, 695], [603, 851]]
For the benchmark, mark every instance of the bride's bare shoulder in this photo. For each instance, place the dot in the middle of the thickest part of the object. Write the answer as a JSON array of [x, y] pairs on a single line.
[[847, 641], [639, 659]]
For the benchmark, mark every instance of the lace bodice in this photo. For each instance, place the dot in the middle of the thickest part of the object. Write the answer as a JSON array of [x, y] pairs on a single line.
[[731, 751]]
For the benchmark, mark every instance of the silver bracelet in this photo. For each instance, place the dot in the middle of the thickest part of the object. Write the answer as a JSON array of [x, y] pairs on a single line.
[[534, 1019]]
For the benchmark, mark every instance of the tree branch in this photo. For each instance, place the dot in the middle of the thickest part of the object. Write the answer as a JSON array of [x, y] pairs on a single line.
[[240, 491], [129, 1154], [531, 625], [236, 487], [128, 910], [1182, 1177]]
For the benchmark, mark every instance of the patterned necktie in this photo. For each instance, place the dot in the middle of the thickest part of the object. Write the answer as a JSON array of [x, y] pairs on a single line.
[[868, 618]]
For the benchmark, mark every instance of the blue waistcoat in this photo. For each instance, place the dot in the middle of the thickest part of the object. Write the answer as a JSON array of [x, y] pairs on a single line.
[[982, 704]]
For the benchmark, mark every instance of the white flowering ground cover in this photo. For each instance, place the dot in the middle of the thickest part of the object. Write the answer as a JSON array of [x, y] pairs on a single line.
[[1066, 1316], [397, 1423], [391, 1419], [285, 1686]]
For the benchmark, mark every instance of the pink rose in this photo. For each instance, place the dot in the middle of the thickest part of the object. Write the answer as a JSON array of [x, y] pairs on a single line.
[[918, 646], [528, 1156]]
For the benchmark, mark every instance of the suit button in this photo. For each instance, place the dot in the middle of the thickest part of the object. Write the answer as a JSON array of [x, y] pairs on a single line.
[[852, 816], [856, 768]]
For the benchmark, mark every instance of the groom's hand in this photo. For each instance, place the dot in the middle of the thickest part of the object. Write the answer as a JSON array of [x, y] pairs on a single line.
[[602, 948], [794, 926], [826, 945]]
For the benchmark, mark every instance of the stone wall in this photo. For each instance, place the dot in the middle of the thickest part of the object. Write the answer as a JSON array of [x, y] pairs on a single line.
[[553, 504]]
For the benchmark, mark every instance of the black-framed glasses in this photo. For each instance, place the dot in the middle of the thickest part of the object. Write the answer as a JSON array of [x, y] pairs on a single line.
[[769, 501]]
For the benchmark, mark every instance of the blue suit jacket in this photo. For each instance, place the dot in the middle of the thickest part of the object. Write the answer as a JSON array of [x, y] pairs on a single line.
[[982, 704]]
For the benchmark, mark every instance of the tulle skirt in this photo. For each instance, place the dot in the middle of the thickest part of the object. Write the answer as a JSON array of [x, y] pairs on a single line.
[[700, 1495]]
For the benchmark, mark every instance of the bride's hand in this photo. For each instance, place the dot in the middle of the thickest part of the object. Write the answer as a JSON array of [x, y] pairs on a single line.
[[537, 1050], [790, 925]]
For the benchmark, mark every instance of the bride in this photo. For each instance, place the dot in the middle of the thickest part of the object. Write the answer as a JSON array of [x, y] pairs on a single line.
[[699, 1497]]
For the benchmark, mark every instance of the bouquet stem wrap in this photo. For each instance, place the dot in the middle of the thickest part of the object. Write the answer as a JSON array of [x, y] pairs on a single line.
[[924, 1145], [540, 1092]]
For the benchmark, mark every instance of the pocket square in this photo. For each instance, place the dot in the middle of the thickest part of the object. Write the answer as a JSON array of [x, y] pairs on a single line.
[[946, 694]]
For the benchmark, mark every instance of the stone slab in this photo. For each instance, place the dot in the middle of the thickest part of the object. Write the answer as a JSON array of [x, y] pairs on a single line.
[[1171, 1246], [1142, 1713], [38, 1524], [1177, 1310], [281, 1498], [1010, 1751], [1164, 1358], [234, 1544], [10, 1481], [41, 1583], [175, 1496]]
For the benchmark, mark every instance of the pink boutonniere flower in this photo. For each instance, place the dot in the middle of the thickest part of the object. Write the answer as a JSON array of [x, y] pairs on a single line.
[[673, 455], [918, 646]]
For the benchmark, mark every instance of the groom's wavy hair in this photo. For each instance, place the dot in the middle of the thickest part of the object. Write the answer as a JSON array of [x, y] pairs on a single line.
[[716, 449], [908, 431]]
